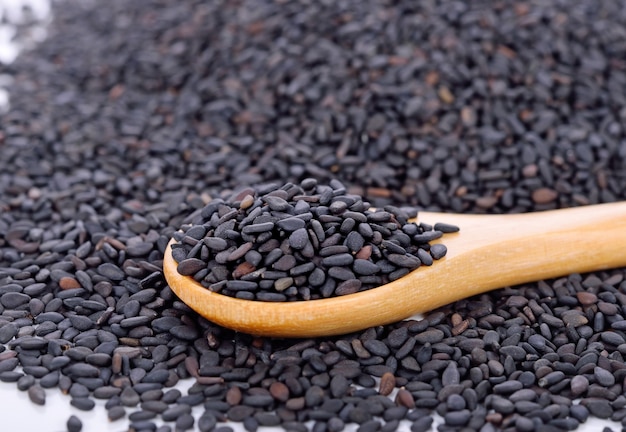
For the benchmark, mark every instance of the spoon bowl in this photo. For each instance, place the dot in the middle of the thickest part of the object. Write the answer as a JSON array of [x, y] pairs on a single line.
[[489, 252]]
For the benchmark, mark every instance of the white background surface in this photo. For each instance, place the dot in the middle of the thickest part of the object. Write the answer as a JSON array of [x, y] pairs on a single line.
[[17, 413]]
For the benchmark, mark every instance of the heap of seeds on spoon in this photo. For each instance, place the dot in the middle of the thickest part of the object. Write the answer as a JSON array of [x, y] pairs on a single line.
[[302, 242]]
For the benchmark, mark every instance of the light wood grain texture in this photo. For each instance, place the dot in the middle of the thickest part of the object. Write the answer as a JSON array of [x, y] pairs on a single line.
[[490, 251]]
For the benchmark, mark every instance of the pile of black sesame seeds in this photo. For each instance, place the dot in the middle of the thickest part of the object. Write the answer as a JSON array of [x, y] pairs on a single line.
[[302, 242], [132, 116]]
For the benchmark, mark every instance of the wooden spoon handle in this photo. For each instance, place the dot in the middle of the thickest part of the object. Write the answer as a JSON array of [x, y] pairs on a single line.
[[490, 251], [495, 251]]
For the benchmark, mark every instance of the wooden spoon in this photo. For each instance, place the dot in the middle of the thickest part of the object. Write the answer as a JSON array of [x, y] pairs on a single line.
[[490, 251]]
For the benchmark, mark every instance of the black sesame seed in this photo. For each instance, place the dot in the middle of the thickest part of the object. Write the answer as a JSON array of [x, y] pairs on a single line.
[[258, 228], [184, 422], [342, 259], [291, 224], [74, 424], [237, 285], [438, 251], [111, 272], [445, 228], [299, 239], [406, 260], [37, 394]]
